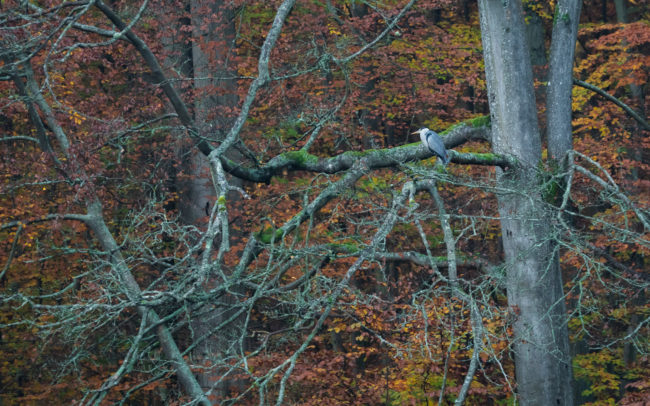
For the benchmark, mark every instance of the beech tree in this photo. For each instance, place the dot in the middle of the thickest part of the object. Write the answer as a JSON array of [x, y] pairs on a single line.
[[534, 280], [208, 202]]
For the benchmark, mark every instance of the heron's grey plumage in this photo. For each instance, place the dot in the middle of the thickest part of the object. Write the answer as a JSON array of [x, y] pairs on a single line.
[[434, 143]]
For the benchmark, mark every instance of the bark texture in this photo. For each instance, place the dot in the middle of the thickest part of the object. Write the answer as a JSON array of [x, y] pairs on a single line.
[[560, 84], [213, 39], [534, 285]]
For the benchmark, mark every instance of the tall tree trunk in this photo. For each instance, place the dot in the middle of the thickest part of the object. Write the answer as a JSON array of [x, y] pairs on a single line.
[[213, 35], [534, 283], [636, 152], [560, 84], [202, 55], [215, 101], [559, 90]]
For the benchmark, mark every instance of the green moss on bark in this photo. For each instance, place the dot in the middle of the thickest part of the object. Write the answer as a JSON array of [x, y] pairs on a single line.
[[301, 157]]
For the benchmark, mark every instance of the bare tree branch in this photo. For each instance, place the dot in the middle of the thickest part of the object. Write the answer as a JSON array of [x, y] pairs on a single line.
[[388, 28], [95, 220], [609, 185], [263, 77], [614, 100], [156, 70]]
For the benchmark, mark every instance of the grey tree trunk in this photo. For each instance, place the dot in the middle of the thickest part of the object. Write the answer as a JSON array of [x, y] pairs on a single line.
[[560, 86], [637, 93], [202, 55], [560, 83], [534, 283], [629, 352], [636, 90], [536, 36], [213, 36]]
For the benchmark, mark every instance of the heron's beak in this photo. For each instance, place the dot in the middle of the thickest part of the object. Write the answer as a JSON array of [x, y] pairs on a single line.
[[415, 132]]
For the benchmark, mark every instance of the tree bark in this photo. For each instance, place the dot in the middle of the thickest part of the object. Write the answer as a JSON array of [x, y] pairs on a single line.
[[560, 83], [560, 86], [638, 94], [214, 89], [213, 35], [533, 278]]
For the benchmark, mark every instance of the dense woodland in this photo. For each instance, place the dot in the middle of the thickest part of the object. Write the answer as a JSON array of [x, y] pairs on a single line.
[[222, 202]]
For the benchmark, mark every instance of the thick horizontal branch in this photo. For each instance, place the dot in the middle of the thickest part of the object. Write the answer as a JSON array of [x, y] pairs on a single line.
[[422, 259], [614, 100], [475, 129], [375, 159], [474, 158]]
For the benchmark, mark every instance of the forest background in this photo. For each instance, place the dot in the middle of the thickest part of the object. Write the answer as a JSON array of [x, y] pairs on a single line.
[[221, 202]]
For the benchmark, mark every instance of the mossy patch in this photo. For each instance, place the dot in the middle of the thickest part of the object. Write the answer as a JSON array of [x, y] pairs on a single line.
[[488, 157], [480, 121], [221, 202], [266, 235], [301, 157]]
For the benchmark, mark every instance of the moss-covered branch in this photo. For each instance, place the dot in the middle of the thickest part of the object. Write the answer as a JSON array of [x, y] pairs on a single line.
[[475, 129]]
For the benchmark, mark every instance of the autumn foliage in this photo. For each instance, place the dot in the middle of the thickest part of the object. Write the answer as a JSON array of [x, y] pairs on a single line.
[[397, 331]]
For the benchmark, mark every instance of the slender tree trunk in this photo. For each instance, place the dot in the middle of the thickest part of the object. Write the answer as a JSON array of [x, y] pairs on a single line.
[[560, 83], [215, 101], [202, 55], [636, 90], [534, 284], [560, 87], [213, 34], [635, 153]]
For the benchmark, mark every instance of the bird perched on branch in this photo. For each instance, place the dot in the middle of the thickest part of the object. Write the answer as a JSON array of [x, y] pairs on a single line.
[[434, 143]]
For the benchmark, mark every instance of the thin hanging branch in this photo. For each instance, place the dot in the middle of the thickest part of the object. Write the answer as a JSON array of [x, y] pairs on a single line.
[[614, 100]]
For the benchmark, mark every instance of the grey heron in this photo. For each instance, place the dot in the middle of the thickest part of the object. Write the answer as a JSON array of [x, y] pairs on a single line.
[[434, 143]]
